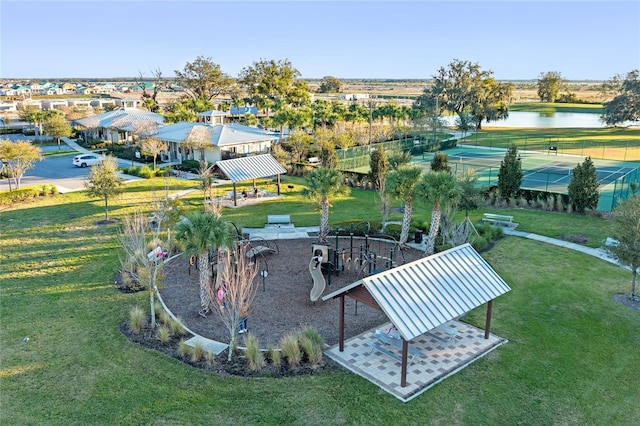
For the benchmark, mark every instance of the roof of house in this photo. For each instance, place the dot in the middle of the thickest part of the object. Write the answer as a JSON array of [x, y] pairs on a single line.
[[128, 119], [421, 295], [254, 167], [221, 135], [243, 110]]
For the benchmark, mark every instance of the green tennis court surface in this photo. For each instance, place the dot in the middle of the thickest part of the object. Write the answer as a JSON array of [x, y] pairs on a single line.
[[549, 172]]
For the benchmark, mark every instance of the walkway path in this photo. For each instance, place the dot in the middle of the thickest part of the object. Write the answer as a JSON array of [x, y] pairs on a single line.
[[274, 233], [596, 252]]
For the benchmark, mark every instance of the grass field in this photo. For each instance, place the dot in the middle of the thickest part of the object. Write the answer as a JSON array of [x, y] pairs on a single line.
[[572, 355]]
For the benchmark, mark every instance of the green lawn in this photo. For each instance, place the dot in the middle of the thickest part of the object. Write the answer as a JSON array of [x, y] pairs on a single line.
[[572, 356], [545, 107]]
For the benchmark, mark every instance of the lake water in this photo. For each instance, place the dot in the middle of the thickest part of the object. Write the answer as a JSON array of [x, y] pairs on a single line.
[[543, 120]]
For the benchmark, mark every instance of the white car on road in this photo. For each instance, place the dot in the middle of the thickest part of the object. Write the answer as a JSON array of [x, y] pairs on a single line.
[[86, 160]]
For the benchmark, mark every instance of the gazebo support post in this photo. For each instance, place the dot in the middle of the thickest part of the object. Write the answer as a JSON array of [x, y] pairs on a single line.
[[235, 195], [278, 185], [341, 325], [487, 324], [403, 374]]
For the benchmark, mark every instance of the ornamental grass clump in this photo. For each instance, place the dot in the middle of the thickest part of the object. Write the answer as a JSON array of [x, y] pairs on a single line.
[[176, 327], [137, 319], [311, 343], [291, 350], [209, 358], [252, 351], [183, 349], [164, 317], [163, 333], [197, 354], [275, 355]]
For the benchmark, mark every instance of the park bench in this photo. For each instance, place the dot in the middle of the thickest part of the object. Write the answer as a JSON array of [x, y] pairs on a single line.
[[278, 219], [449, 332], [385, 340], [314, 160], [498, 219]]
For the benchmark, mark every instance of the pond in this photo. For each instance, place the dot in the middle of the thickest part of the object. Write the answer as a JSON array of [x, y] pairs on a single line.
[[524, 119]]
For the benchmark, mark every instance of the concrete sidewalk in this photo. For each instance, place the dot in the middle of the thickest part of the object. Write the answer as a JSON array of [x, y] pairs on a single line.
[[595, 252]]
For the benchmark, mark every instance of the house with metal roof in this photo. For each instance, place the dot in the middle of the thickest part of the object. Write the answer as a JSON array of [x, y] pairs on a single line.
[[119, 125], [225, 141], [420, 296]]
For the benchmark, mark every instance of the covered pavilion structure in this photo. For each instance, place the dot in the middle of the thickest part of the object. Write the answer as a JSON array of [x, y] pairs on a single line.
[[422, 296], [250, 168]]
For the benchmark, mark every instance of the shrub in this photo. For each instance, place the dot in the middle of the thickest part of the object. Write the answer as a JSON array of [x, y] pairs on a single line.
[[163, 334], [480, 243], [291, 350], [137, 319], [253, 353], [522, 201], [550, 203], [394, 230], [129, 282], [192, 166], [17, 195]]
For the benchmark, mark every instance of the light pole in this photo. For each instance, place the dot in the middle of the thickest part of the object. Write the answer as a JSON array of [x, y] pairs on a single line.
[[371, 105], [435, 122]]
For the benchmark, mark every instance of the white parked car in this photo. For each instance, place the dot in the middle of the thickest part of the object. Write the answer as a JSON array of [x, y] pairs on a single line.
[[86, 160]]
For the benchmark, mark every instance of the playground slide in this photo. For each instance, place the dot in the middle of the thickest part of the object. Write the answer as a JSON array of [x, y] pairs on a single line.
[[318, 281], [259, 249]]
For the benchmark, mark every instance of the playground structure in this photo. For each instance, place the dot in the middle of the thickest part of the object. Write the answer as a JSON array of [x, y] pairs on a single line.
[[316, 271], [358, 255], [257, 250]]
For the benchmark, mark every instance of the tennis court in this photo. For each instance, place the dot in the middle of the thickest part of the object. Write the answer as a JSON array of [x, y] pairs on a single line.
[[549, 172]]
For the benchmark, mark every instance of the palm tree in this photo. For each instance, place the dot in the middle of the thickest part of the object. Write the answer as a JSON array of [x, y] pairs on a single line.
[[322, 184], [443, 190], [201, 233], [402, 183]]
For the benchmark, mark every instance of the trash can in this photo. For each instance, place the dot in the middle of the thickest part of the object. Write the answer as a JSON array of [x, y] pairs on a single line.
[[418, 237]]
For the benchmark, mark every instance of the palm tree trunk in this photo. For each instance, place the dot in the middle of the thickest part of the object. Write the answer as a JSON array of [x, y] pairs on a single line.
[[436, 214], [324, 220], [203, 269], [406, 221]]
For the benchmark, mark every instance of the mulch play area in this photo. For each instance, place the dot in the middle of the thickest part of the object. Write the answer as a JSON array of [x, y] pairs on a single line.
[[284, 306]]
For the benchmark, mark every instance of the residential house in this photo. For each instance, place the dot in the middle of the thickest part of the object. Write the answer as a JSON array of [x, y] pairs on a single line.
[[68, 88], [49, 104], [226, 140], [121, 125]]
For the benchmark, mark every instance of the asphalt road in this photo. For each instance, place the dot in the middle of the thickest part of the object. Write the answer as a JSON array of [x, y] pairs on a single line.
[[57, 170]]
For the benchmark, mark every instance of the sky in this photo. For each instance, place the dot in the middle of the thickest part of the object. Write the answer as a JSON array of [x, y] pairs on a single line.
[[516, 40]]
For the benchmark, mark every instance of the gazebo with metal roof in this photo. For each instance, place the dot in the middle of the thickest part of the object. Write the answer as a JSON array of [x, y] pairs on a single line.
[[250, 168], [424, 294]]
